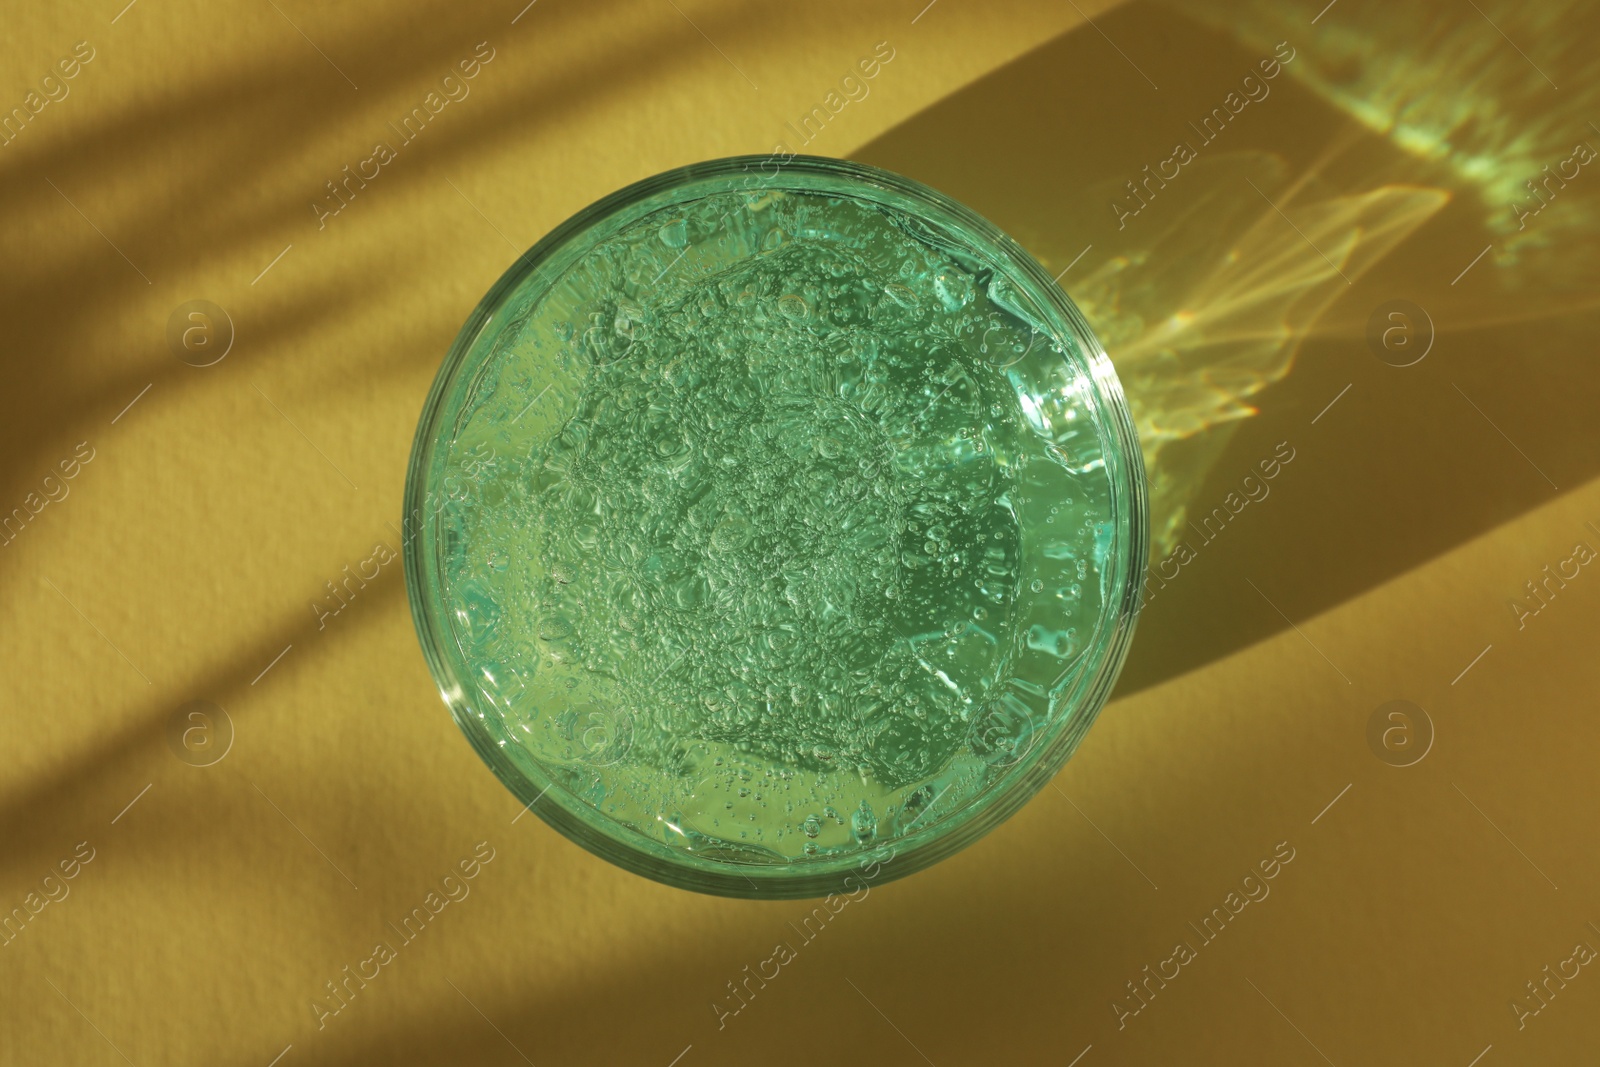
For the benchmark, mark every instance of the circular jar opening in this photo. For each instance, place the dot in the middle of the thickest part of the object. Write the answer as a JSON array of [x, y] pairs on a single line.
[[770, 529]]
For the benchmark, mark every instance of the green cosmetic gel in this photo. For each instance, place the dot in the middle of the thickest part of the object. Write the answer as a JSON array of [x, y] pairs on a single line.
[[768, 525]]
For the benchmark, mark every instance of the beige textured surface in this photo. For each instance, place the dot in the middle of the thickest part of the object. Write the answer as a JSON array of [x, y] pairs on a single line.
[[185, 556]]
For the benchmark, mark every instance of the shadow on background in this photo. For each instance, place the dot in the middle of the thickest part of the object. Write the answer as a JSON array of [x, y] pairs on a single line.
[[255, 122], [1234, 294], [280, 121]]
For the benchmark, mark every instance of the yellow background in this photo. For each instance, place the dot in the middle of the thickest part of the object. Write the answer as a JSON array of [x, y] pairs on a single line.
[[187, 553]]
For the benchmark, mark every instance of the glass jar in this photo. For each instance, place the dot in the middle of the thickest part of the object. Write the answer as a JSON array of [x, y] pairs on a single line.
[[775, 525]]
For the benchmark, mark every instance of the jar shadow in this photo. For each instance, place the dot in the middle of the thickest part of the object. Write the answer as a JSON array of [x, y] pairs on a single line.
[[1280, 289]]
